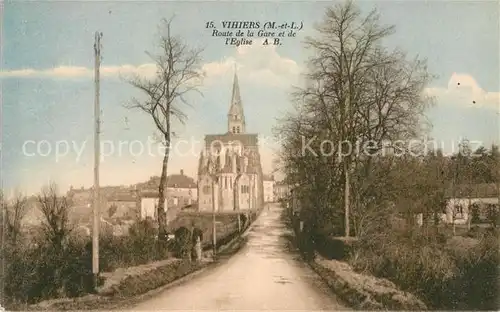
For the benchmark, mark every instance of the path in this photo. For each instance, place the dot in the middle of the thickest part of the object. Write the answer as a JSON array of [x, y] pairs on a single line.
[[264, 275]]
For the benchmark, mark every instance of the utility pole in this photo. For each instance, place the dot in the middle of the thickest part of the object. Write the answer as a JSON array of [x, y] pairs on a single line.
[[214, 227], [214, 171], [97, 115]]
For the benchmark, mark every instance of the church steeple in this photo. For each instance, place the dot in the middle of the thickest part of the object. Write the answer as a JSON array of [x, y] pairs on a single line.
[[236, 117]]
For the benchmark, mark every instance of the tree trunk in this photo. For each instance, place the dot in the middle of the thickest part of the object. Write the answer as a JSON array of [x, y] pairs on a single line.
[[346, 198], [161, 214], [469, 215]]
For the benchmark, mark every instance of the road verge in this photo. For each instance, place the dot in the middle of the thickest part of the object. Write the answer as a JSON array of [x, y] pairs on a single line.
[[364, 292], [128, 286], [360, 291]]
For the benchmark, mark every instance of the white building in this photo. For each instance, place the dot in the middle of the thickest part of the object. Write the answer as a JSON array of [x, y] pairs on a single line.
[[181, 190], [461, 198], [149, 203], [268, 188]]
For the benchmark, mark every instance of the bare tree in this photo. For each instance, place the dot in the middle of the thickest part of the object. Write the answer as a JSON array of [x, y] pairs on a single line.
[[13, 214], [55, 210], [178, 73], [357, 93]]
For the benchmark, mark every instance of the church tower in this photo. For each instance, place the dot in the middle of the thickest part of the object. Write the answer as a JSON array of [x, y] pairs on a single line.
[[235, 117]]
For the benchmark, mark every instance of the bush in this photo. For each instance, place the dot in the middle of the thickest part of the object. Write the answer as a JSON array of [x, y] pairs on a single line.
[[337, 248], [43, 273], [444, 278], [139, 247], [476, 282], [183, 244], [243, 220]]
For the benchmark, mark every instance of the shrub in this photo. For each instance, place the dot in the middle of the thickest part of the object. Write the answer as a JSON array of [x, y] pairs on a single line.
[[139, 247], [464, 276], [476, 282], [243, 220], [182, 243], [43, 273], [493, 214]]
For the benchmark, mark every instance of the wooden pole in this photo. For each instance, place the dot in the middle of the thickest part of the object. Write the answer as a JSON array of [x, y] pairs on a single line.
[[214, 226], [96, 208]]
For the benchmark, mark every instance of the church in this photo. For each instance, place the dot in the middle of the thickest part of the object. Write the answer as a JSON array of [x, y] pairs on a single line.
[[229, 171]]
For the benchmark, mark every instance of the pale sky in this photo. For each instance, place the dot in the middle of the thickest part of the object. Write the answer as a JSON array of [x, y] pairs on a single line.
[[48, 88]]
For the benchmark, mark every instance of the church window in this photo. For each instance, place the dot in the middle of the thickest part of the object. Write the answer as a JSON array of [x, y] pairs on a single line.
[[238, 129], [244, 189], [234, 129], [225, 183], [230, 182]]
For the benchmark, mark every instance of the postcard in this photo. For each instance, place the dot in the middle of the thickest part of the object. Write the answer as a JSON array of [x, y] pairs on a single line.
[[250, 155]]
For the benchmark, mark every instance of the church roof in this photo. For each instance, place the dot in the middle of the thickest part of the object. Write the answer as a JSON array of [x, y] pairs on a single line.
[[236, 107], [245, 139]]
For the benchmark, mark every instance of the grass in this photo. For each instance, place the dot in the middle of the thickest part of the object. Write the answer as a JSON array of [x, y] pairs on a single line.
[[446, 272]]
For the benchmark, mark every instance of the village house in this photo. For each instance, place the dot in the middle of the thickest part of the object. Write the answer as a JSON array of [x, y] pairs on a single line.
[[268, 188], [229, 170], [461, 198], [180, 188], [122, 205]]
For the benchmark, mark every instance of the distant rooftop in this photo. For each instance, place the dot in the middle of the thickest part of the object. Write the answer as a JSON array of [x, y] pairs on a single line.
[[173, 181]]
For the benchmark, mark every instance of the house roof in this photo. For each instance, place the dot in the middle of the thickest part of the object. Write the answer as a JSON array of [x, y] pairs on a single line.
[[180, 181], [123, 197], [482, 190], [173, 181]]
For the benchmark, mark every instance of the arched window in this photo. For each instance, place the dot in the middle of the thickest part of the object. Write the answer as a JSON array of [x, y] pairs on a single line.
[[234, 129], [237, 129]]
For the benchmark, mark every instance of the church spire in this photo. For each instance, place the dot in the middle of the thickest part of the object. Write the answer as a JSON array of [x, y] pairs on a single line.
[[236, 118]]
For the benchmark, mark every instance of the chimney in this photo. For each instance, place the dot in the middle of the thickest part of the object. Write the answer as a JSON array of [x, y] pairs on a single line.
[[182, 172]]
